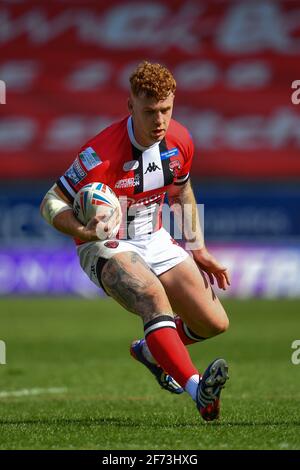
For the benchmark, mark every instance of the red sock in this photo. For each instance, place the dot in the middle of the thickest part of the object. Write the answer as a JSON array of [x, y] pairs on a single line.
[[187, 336], [167, 348]]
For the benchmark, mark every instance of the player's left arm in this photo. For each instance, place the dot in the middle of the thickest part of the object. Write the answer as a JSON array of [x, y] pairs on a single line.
[[183, 203]]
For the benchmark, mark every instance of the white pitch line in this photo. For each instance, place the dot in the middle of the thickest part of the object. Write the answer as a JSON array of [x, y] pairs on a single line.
[[31, 391]]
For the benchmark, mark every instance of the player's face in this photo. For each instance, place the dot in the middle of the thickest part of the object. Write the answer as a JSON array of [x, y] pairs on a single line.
[[150, 117]]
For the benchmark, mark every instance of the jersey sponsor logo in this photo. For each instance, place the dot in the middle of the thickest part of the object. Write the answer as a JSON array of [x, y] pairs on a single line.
[[130, 166], [169, 153], [175, 167], [128, 182], [152, 167], [75, 173], [89, 158], [111, 244], [145, 200]]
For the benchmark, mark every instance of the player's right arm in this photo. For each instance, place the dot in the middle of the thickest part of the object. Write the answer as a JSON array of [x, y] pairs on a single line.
[[57, 210], [57, 206]]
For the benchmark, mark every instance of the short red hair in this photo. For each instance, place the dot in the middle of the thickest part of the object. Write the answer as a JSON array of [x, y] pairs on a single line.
[[153, 80]]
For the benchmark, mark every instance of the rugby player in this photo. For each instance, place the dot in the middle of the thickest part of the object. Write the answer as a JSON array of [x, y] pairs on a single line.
[[145, 156]]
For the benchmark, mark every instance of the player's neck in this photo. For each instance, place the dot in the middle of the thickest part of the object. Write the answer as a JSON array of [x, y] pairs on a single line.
[[138, 138]]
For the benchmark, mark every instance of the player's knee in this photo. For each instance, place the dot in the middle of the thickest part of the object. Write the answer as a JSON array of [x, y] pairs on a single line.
[[217, 326], [220, 326], [223, 325]]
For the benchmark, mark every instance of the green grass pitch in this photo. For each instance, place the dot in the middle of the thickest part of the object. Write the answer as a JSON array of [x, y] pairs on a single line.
[[105, 400]]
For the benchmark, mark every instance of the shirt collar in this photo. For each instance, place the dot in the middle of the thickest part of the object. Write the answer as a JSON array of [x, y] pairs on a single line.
[[132, 138]]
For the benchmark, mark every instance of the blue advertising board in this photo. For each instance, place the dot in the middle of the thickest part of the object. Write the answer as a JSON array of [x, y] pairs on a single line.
[[233, 212]]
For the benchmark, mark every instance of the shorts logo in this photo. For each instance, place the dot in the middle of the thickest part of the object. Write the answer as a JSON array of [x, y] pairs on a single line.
[[111, 244], [132, 165], [89, 158], [128, 182], [75, 173], [93, 270]]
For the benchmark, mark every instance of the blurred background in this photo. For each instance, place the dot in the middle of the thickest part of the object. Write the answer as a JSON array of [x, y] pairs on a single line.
[[66, 66]]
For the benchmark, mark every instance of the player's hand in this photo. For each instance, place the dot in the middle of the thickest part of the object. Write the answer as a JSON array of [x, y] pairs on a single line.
[[101, 227], [212, 267], [89, 231]]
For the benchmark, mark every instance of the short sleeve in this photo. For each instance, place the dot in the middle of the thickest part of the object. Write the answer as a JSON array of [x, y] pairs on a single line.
[[86, 168], [188, 153]]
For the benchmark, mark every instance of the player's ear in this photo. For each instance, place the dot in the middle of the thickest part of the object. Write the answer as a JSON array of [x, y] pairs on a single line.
[[129, 104]]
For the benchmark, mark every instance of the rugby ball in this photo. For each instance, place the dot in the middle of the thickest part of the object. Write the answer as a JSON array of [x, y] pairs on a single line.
[[94, 199]]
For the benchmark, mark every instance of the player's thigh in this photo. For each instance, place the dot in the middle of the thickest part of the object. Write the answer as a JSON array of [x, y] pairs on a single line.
[[193, 299], [130, 281]]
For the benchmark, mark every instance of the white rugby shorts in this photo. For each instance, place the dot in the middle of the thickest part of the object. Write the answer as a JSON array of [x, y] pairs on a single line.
[[158, 250]]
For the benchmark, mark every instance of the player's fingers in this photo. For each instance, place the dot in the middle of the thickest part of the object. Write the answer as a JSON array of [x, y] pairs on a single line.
[[227, 277], [91, 225], [211, 277], [220, 280], [111, 221], [100, 217], [208, 272], [223, 281]]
